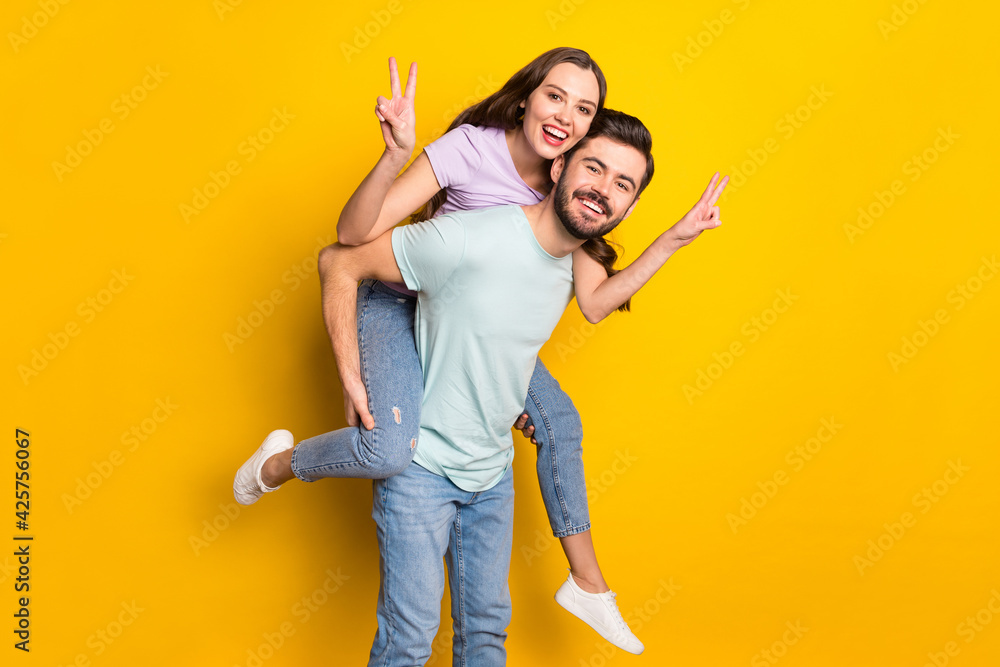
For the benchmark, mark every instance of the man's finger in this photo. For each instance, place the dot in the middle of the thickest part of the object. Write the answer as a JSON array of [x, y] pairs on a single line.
[[393, 78], [366, 418], [411, 82]]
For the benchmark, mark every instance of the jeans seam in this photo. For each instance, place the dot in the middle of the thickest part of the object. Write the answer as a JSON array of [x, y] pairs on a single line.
[[389, 605], [572, 531], [460, 567]]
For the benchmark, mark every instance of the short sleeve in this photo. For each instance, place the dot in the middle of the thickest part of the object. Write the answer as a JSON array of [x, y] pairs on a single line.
[[428, 252], [457, 156]]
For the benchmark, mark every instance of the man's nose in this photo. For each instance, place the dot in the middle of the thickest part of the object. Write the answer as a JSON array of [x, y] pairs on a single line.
[[602, 186]]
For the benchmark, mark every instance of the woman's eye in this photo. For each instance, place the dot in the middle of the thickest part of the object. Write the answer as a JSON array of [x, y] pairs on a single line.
[[554, 96], [585, 111]]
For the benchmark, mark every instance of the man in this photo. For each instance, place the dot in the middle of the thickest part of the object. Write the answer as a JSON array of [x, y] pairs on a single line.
[[477, 275]]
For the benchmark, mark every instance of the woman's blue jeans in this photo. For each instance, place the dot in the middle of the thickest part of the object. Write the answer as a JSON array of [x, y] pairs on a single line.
[[390, 370]]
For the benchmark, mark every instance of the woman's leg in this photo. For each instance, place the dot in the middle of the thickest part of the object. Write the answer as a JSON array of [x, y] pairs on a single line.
[[559, 434], [391, 372]]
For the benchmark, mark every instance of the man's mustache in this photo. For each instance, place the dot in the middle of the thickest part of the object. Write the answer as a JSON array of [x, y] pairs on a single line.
[[597, 199]]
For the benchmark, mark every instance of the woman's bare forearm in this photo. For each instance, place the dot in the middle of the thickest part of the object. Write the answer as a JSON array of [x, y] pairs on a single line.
[[619, 288], [358, 218]]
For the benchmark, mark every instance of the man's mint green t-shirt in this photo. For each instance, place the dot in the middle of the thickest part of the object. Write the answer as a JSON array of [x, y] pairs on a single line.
[[488, 298]]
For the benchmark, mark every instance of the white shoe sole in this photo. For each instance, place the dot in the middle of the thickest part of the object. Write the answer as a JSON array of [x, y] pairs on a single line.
[[565, 597]]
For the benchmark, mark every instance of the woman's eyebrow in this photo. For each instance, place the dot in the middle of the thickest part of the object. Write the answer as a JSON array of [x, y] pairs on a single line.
[[565, 94]]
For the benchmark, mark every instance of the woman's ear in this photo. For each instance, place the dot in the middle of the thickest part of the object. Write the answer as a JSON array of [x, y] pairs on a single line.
[[557, 167]]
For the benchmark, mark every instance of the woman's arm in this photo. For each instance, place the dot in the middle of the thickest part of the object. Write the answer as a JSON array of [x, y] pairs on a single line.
[[383, 200], [598, 295]]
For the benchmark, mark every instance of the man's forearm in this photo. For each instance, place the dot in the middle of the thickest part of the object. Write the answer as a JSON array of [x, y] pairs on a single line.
[[339, 293], [340, 269]]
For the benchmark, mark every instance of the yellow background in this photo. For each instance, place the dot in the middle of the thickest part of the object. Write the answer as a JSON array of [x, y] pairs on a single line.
[[667, 467]]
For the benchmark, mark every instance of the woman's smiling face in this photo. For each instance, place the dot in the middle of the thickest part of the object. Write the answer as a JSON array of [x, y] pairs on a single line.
[[558, 113]]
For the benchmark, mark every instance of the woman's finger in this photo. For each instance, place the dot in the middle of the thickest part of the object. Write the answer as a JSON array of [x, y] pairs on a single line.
[[708, 190], [718, 191], [411, 82], [394, 78]]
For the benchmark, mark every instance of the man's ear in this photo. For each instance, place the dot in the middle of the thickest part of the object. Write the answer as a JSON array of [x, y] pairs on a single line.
[[557, 167]]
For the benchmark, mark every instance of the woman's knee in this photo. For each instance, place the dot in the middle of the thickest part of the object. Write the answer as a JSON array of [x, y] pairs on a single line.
[[400, 456], [387, 452]]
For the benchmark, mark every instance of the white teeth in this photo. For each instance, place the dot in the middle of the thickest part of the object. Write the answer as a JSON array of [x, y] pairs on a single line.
[[591, 205], [559, 134]]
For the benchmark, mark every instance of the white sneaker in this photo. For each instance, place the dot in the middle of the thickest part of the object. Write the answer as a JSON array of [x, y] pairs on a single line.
[[248, 487], [599, 611]]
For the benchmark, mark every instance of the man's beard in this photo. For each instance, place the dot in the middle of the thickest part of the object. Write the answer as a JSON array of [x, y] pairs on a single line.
[[576, 224]]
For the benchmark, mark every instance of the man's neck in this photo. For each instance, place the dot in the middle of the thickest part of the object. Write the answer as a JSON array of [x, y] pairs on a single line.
[[550, 233]]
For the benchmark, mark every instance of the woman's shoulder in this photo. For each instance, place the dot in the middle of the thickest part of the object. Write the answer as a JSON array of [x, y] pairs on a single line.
[[475, 134]]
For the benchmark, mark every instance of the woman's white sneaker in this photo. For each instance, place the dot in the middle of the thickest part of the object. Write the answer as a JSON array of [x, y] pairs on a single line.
[[248, 486], [599, 611]]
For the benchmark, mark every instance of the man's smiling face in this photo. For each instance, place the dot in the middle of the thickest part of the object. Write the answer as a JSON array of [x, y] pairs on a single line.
[[597, 188]]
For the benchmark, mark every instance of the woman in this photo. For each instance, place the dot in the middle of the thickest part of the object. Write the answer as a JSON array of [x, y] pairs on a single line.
[[496, 152]]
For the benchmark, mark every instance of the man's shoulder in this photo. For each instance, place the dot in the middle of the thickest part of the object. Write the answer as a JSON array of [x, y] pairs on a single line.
[[503, 213]]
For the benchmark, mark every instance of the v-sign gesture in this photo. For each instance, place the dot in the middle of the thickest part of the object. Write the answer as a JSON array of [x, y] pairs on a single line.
[[703, 215], [397, 117]]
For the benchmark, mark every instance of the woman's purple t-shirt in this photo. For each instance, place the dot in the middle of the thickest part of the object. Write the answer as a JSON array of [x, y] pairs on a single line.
[[474, 166]]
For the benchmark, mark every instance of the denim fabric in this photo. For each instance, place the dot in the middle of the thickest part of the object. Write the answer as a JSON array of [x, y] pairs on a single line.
[[559, 434], [420, 518], [391, 372]]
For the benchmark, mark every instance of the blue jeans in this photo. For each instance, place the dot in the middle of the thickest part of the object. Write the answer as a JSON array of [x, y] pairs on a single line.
[[390, 369], [422, 517]]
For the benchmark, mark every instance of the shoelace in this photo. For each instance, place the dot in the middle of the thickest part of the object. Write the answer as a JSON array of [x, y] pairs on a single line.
[[613, 606]]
